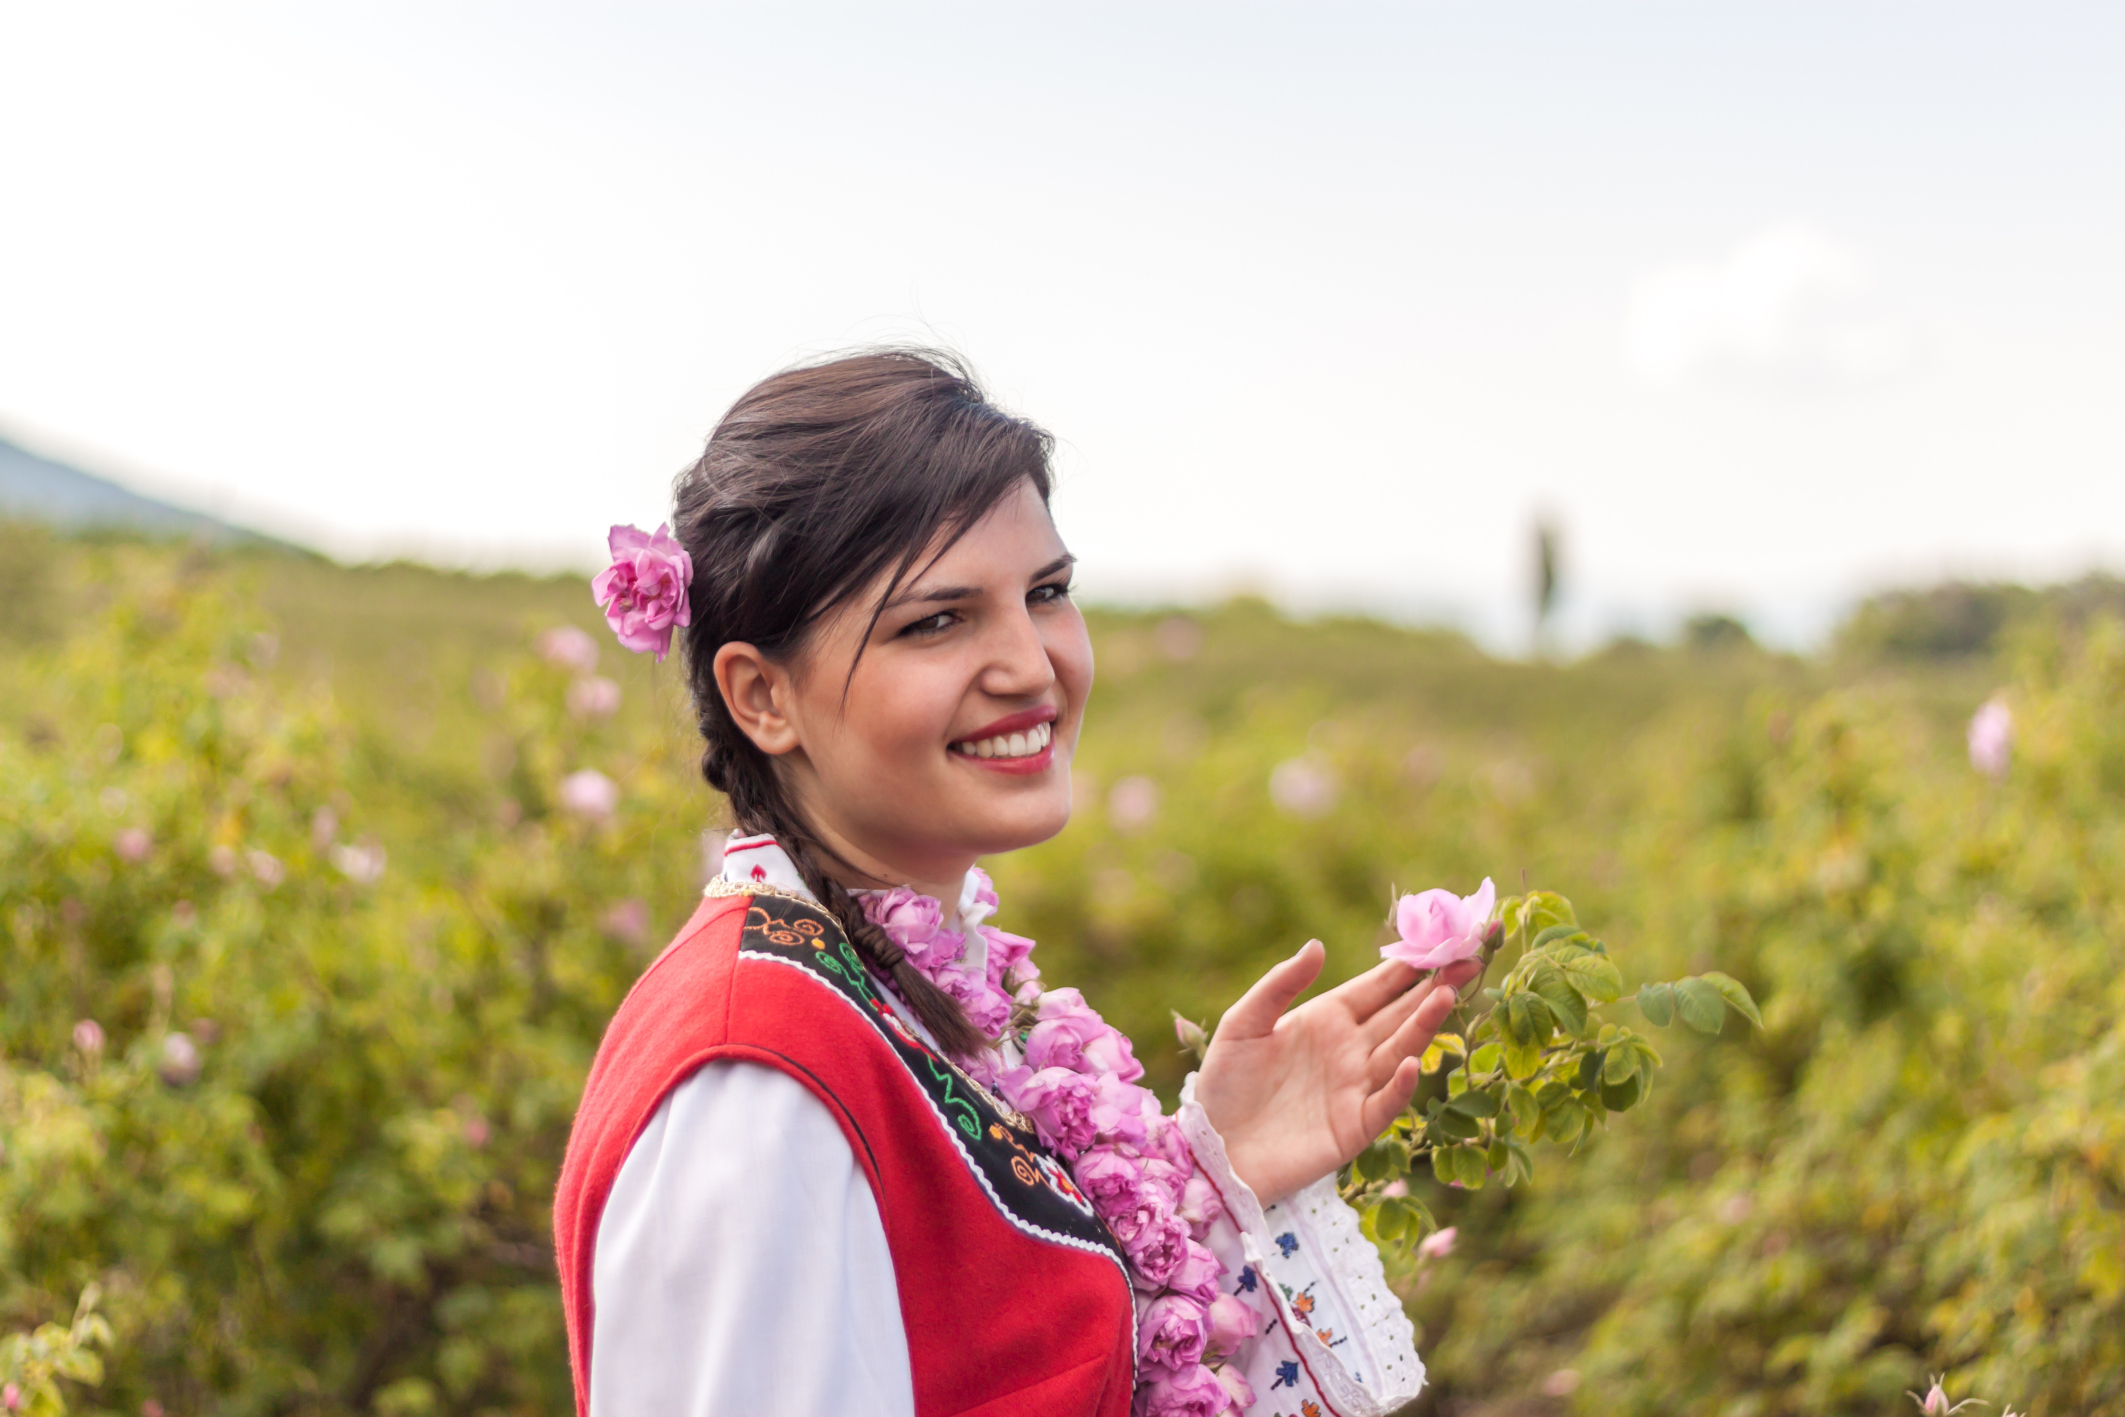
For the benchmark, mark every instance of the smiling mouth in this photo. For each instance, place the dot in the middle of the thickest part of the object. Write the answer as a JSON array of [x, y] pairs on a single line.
[[1027, 743]]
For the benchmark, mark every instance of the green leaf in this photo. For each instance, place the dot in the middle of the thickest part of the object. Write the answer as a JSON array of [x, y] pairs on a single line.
[[1549, 983], [1469, 1169], [1621, 1097], [1524, 1108], [1442, 1164], [1390, 1219], [1700, 1004], [1523, 1061], [1485, 1058], [1497, 1155], [1474, 1104], [1620, 1065], [1732, 990], [1553, 934], [1455, 1126], [1657, 1003], [1542, 909], [1595, 976], [1589, 1070]]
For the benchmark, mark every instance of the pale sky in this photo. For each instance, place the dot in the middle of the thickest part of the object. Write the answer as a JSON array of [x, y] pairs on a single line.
[[1766, 304]]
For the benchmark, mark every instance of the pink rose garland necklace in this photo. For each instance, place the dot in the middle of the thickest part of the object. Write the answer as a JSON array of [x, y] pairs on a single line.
[[1078, 1087]]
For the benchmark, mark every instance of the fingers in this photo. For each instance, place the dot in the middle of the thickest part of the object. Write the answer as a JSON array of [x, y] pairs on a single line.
[[1385, 1105], [1259, 1008], [1415, 1034], [1378, 987]]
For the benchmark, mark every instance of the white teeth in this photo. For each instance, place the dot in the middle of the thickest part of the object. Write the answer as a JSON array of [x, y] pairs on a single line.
[[1012, 745]]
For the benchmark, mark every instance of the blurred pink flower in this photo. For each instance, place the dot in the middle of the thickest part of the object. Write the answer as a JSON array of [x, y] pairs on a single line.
[[1132, 803], [1303, 787], [477, 1132], [133, 844], [590, 794], [180, 1060], [643, 591], [222, 861], [570, 648], [1438, 1244], [185, 914], [1562, 1383], [11, 1398], [1992, 739], [594, 697], [362, 862], [88, 1036], [1438, 927], [1235, 1384], [627, 921], [1397, 1188], [151, 1408], [266, 867], [324, 827]]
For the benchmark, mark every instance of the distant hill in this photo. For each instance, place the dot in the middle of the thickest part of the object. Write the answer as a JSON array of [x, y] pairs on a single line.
[[36, 489]]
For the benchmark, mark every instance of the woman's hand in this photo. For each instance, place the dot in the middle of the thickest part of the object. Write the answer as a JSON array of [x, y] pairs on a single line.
[[1296, 1095]]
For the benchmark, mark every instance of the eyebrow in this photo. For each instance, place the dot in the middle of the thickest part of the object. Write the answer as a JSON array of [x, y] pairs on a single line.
[[945, 594]]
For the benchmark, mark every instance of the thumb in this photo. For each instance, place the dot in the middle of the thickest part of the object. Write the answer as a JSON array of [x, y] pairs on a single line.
[[1260, 1007]]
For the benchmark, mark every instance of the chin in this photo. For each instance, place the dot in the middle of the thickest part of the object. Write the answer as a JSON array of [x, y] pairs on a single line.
[[1017, 830]]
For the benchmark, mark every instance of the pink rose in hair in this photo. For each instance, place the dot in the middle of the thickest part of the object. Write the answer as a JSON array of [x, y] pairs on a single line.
[[1232, 1322], [1193, 1393], [1200, 1205], [1060, 1104], [1171, 1334], [643, 591], [1438, 927]]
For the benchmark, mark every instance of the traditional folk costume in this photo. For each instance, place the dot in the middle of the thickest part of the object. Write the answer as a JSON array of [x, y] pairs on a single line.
[[781, 1198]]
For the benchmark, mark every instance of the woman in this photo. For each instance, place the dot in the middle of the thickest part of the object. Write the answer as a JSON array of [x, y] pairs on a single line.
[[842, 1150]]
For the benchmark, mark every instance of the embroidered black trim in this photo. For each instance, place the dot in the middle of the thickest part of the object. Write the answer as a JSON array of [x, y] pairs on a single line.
[[1028, 1184]]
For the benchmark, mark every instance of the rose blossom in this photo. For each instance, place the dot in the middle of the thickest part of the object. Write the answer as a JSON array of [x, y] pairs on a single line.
[[1122, 1111], [1158, 1247], [595, 697], [1992, 739], [570, 648], [590, 794], [1200, 1205], [1437, 1245], [643, 591], [1060, 1104], [1196, 1274], [1006, 951], [1235, 1382], [988, 1009], [1111, 1178], [1171, 1334], [1438, 927], [1193, 1393], [133, 844], [1232, 1322], [88, 1036]]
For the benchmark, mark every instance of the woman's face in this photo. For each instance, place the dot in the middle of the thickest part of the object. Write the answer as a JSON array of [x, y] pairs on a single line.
[[955, 737]]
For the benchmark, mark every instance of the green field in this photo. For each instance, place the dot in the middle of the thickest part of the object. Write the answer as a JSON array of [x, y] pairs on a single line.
[[307, 817]]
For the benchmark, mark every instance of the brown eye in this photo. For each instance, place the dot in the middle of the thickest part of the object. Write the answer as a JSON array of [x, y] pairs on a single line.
[[931, 624]]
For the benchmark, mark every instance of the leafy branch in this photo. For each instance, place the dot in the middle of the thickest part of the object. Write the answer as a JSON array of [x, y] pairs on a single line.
[[1539, 1061]]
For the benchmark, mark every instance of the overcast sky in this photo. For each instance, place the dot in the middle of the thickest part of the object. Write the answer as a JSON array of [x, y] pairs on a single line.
[[1765, 304]]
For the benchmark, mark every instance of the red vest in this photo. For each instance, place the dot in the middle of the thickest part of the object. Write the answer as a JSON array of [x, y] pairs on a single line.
[[1014, 1295]]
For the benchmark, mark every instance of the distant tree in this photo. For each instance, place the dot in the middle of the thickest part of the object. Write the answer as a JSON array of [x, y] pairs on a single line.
[[1715, 632]]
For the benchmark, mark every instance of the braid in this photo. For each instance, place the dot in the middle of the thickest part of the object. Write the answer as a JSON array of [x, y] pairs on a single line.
[[742, 773]]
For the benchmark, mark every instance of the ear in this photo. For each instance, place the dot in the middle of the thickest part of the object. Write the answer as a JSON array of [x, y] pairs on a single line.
[[758, 693]]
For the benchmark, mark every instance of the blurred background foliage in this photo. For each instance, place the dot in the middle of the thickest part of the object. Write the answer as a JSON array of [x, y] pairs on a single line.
[[318, 885]]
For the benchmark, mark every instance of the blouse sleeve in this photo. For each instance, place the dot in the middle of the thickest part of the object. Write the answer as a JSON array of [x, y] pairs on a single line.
[[741, 1265], [1333, 1333]]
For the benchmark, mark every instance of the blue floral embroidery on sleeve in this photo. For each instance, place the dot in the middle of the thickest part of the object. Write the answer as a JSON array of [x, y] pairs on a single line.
[[1286, 1372], [1288, 1243], [1246, 1281]]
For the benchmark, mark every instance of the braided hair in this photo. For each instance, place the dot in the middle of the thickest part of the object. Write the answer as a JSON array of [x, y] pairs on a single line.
[[821, 481]]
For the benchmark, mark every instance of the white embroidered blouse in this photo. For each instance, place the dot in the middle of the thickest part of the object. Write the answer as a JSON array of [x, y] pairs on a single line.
[[741, 1266]]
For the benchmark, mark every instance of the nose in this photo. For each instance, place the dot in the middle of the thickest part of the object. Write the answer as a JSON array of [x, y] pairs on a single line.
[[1018, 665]]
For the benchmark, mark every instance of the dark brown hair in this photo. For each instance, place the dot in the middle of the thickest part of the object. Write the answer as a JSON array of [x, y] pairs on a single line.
[[819, 481]]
